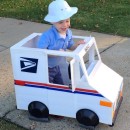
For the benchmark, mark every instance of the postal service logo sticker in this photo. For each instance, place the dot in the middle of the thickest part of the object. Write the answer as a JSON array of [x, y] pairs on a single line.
[[28, 64]]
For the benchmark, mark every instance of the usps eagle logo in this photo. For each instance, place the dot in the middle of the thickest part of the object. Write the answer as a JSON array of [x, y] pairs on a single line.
[[28, 64]]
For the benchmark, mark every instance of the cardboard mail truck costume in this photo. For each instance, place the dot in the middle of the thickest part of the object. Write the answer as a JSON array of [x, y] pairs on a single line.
[[93, 94]]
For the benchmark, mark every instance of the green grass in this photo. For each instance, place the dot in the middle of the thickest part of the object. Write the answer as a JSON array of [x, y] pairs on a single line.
[[5, 125], [105, 16]]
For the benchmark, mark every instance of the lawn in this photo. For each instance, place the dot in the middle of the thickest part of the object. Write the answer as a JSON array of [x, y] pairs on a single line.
[[105, 16]]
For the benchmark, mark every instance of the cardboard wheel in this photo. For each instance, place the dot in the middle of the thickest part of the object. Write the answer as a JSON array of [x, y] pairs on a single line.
[[87, 117], [38, 110]]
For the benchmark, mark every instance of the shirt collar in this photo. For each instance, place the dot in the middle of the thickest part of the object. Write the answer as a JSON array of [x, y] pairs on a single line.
[[57, 36]]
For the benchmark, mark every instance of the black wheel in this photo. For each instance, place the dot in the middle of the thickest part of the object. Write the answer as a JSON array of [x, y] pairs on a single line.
[[87, 117], [38, 110]]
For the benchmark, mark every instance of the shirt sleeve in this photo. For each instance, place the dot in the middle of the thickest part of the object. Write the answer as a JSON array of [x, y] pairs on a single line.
[[70, 41], [43, 41]]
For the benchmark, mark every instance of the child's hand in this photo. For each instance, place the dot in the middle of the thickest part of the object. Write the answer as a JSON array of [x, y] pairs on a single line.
[[80, 42], [77, 43], [61, 50]]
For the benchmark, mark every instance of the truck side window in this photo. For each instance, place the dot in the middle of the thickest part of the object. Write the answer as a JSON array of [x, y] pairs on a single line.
[[58, 70]]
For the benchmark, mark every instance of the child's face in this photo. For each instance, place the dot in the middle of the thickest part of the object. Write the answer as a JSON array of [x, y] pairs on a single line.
[[62, 26]]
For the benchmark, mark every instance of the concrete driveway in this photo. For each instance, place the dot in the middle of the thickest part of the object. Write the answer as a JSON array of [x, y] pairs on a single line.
[[115, 53]]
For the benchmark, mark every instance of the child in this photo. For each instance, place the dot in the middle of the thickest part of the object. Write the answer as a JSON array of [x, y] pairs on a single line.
[[58, 37]]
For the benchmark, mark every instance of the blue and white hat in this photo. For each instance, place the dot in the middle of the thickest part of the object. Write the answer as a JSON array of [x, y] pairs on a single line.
[[59, 10]]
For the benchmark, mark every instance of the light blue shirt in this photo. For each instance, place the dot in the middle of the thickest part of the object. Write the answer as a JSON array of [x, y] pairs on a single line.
[[51, 40]]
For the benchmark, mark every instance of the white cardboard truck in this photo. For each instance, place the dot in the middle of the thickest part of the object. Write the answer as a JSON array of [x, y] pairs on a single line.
[[93, 94]]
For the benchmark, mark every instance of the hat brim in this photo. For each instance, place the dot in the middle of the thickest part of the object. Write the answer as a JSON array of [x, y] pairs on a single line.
[[51, 19]]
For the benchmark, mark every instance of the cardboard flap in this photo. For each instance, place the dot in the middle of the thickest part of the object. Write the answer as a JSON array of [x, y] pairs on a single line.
[[106, 81]]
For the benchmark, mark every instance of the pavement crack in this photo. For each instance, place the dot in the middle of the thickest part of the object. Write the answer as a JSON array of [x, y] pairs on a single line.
[[3, 46], [9, 120], [5, 115], [107, 48], [112, 45]]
